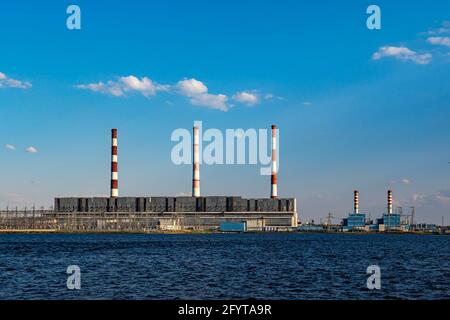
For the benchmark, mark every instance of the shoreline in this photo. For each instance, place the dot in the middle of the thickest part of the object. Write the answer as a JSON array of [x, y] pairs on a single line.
[[58, 231]]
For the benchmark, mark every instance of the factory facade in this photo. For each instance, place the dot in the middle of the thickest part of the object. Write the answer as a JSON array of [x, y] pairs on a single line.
[[186, 213]]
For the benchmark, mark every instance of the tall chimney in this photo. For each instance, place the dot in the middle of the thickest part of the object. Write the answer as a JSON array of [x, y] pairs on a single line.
[[356, 201], [274, 185], [114, 172], [390, 211], [196, 164]]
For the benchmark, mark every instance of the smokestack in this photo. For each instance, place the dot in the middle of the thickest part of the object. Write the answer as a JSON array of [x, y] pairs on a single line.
[[274, 185], [356, 201], [196, 164], [390, 211], [114, 172]]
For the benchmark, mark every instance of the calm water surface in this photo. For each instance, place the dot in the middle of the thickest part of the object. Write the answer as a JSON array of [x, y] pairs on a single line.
[[224, 266]]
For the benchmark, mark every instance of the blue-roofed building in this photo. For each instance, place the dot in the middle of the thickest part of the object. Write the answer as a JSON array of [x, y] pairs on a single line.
[[391, 221], [354, 221]]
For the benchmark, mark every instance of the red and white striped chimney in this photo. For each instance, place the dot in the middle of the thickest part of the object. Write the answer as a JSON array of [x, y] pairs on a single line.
[[196, 164], [114, 172], [390, 211], [356, 201], [274, 185]]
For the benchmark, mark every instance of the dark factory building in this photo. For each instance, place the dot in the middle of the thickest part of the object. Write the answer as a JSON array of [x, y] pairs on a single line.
[[173, 204]]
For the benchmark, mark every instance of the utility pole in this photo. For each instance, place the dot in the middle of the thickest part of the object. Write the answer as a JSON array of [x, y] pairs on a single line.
[[329, 220], [413, 213]]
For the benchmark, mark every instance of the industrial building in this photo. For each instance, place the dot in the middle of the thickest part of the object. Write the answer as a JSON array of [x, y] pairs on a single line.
[[355, 220], [390, 221], [188, 213], [181, 213]]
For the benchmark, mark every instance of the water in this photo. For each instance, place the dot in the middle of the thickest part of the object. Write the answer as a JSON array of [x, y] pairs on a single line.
[[224, 266]]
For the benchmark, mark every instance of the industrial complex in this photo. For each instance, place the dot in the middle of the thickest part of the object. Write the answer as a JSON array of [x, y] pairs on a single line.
[[197, 212], [358, 221], [390, 222]]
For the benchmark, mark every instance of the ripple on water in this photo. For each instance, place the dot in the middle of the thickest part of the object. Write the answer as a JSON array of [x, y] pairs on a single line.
[[231, 266]]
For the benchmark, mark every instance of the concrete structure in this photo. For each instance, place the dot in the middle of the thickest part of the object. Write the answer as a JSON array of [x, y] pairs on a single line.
[[356, 202], [355, 220], [391, 221], [274, 183], [178, 213], [114, 167], [389, 206], [196, 164], [216, 204]]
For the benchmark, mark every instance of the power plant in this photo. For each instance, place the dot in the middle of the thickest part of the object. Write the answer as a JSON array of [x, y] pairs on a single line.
[[355, 220], [390, 221], [182, 213], [195, 212]]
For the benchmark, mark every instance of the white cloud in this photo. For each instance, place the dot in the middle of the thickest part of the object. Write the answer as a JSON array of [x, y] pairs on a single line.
[[7, 82], [31, 150], [402, 53], [214, 101], [441, 198], [444, 41], [307, 103], [406, 181], [144, 85], [439, 31], [123, 85], [192, 87], [195, 90], [10, 147], [245, 97], [271, 96], [198, 95], [444, 29], [109, 88]]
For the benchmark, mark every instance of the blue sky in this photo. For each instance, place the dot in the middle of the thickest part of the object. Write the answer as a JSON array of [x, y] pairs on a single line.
[[357, 108]]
